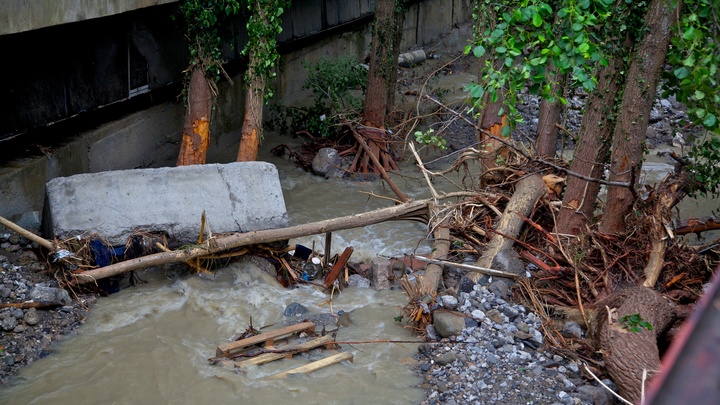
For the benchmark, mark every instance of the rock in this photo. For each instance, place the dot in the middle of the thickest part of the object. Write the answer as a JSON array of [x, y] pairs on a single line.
[[10, 322], [448, 301], [598, 395], [572, 329], [358, 281], [471, 323], [466, 285], [32, 317], [495, 316], [295, 309], [49, 294], [499, 288], [327, 162], [381, 273], [431, 333], [446, 358], [409, 59], [478, 314], [448, 324]]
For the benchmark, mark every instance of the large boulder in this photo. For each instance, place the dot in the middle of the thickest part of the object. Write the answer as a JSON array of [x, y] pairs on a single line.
[[236, 197]]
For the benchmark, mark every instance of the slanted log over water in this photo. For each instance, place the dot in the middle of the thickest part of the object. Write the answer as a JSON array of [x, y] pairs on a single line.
[[268, 338], [317, 365], [527, 192], [416, 210]]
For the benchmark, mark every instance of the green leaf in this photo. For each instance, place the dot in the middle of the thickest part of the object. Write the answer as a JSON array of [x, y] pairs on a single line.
[[500, 49], [577, 27], [681, 72], [537, 20], [699, 95], [479, 51], [710, 121]]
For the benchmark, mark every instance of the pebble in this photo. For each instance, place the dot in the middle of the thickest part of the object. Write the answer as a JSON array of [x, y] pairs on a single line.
[[492, 360]]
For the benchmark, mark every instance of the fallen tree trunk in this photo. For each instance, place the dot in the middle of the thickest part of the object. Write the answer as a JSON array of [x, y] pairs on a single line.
[[627, 344], [527, 192], [414, 210], [697, 225], [441, 247]]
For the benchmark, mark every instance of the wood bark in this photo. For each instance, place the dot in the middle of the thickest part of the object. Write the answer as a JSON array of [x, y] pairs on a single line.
[[591, 151], [441, 248], [196, 129], [381, 64], [493, 123], [414, 210], [628, 353], [632, 124], [672, 189], [252, 123], [521, 204], [549, 117]]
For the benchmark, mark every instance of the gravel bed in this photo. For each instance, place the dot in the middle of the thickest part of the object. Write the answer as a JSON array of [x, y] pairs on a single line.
[[498, 359]]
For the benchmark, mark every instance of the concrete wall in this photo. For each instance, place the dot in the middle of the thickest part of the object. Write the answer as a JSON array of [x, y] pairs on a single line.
[[150, 137], [27, 15]]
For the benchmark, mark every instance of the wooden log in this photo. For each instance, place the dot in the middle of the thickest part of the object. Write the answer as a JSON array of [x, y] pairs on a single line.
[[316, 365], [379, 168], [341, 262], [441, 247], [33, 304], [26, 234], [697, 225], [225, 350], [286, 351], [468, 267], [527, 192], [412, 209]]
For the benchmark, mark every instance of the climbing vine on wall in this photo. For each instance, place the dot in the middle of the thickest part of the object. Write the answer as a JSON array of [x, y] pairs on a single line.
[[263, 26], [203, 19]]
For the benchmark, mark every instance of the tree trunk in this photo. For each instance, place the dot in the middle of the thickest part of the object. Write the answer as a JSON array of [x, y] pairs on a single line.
[[252, 124], [591, 151], [196, 130], [493, 123], [549, 117], [381, 64], [392, 84], [630, 130], [627, 353]]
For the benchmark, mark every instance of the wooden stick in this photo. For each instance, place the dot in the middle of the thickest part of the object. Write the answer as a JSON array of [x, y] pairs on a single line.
[[408, 210], [32, 304], [226, 349], [26, 234], [468, 267], [286, 351], [341, 262], [316, 365]]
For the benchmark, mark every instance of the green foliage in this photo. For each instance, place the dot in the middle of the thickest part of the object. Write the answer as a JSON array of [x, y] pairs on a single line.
[[429, 137], [634, 322], [203, 19], [694, 78], [263, 26], [527, 37], [332, 81], [695, 57]]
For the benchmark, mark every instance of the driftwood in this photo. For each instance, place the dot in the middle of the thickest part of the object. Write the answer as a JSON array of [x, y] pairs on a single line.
[[467, 267], [414, 210], [697, 225], [527, 192], [26, 234], [441, 247], [669, 193], [33, 304]]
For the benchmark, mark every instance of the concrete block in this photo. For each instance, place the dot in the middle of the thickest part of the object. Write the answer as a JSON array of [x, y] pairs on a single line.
[[341, 11], [435, 18], [307, 18], [235, 196]]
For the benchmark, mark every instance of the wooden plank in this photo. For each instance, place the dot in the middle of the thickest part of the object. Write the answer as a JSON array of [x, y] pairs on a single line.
[[341, 262], [226, 349], [287, 351], [316, 365]]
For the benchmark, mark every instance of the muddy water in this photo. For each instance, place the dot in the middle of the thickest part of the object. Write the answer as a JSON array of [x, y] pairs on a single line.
[[150, 344]]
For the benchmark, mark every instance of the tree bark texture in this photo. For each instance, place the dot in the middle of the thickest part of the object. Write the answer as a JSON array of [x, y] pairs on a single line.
[[549, 117], [638, 97], [252, 124], [414, 210], [381, 64], [522, 202], [196, 129], [672, 189], [591, 151], [628, 353], [493, 123]]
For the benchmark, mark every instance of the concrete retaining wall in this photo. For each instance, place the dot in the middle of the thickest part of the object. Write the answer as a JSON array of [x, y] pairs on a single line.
[[151, 137]]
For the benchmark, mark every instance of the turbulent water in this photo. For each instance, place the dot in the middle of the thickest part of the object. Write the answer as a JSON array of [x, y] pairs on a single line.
[[150, 344]]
